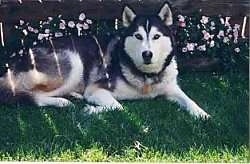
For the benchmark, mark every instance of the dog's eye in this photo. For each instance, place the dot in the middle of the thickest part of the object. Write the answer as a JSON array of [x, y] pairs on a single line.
[[156, 36], [138, 36]]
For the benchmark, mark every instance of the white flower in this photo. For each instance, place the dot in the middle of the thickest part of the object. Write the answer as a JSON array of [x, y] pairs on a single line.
[[20, 52], [198, 26], [190, 46], [79, 25], [50, 19], [35, 31], [229, 29], [25, 32], [204, 20], [237, 50], [202, 48], [71, 24], [41, 36], [47, 31], [227, 21], [212, 23], [222, 21], [235, 40], [89, 21], [184, 49], [212, 28], [235, 33], [206, 35], [31, 29], [237, 27], [21, 22], [226, 40], [34, 43], [220, 34], [212, 44], [85, 26], [58, 34], [62, 26], [82, 16], [181, 18]]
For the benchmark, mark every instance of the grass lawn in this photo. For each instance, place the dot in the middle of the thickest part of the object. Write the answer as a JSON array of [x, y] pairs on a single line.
[[150, 130]]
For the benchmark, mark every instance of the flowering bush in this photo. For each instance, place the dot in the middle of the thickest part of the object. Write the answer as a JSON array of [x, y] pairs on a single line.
[[215, 37], [53, 27], [197, 36]]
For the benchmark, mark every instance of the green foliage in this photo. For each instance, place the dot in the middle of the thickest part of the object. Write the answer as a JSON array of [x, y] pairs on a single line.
[[147, 130]]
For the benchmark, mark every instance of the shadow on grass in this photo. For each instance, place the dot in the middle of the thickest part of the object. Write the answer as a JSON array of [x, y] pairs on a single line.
[[157, 125]]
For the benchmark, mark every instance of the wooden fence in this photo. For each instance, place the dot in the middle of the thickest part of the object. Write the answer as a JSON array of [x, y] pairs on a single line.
[[11, 11]]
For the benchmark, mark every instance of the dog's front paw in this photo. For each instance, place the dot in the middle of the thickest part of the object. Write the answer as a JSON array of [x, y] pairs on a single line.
[[62, 102], [97, 109], [200, 113]]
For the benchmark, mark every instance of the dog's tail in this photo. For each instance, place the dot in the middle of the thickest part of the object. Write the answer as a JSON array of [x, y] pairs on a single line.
[[7, 96], [74, 78]]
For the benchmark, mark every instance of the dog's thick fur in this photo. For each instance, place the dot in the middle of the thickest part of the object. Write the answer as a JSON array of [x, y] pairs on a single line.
[[139, 64]]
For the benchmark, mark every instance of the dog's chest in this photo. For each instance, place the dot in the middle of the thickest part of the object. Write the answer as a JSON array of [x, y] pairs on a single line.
[[139, 90]]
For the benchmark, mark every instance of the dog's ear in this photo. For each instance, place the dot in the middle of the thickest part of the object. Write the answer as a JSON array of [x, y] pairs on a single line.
[[127, 16], [166, 15]]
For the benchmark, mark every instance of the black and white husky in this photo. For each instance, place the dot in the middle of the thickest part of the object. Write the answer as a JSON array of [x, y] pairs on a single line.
[[139, 64]]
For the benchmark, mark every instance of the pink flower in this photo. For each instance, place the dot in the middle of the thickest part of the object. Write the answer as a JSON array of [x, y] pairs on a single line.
[[182, 24], [181, 18], [62, 26], [190, 46], [206, 35], [204, 20]]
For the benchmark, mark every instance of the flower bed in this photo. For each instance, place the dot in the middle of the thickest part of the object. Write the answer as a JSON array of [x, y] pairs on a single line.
[[204, 43], [212, 38]]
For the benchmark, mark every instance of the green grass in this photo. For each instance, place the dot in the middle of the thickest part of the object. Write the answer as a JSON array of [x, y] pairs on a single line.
[[163, 131]]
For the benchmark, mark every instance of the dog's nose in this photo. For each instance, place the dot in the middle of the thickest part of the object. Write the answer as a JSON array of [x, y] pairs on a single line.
[[147, 56]]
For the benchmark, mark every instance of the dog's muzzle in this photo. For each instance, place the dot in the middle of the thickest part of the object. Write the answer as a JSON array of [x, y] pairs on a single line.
[[147, 56]]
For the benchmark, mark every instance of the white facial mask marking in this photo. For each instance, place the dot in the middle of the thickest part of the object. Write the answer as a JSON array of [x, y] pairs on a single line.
[[160, 48]]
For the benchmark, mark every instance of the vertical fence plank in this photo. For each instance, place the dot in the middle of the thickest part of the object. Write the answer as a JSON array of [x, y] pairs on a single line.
[[2, 34]]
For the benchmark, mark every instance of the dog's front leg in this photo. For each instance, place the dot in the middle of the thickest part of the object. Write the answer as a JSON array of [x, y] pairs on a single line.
[[174, 93], [102, 98]]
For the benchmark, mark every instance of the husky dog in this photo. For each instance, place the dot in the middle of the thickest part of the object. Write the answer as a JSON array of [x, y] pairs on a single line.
[[139, 64]]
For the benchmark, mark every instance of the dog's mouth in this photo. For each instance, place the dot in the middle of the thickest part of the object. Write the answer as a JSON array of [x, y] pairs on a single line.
[[147, 62], [149, 67]]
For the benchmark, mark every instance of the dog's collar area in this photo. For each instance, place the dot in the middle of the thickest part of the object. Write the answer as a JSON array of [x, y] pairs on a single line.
[[148, 84]]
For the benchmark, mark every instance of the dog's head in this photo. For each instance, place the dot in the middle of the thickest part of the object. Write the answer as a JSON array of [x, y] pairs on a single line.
[[148, 39]]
